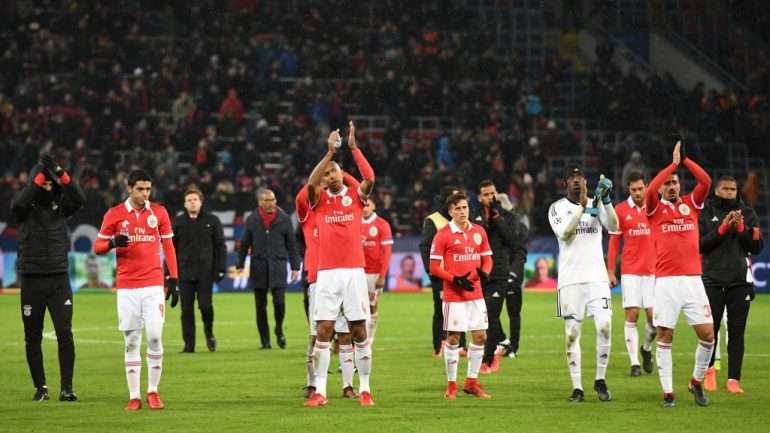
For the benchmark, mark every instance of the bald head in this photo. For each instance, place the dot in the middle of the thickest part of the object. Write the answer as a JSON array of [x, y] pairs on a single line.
[[266, 199]]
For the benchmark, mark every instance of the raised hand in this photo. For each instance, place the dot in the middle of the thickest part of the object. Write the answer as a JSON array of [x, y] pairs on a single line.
[[331, 142], [677, 157], [352, 135]]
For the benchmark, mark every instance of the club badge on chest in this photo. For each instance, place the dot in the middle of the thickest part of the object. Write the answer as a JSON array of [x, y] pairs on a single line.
[[152, 221]]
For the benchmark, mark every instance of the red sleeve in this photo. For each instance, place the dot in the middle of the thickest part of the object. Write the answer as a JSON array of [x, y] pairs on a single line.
[[302, 204], [386, 242], [166, 235], [102, 244], [363, 165], [701, 190], [486, 253], [437, 249], [169, 253], [350, 181], [651, 199], [612, 252]]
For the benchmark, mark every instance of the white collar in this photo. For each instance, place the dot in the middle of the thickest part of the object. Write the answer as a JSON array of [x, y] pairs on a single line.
[[342, 192], [371, 218], [455, 229], [668, 203], [130, 208], [633, 205]]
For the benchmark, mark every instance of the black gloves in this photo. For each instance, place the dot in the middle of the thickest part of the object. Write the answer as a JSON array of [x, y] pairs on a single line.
[[172, 291], [463, 282], [496, 210], [119, 241], [51, 165], [219, 276]]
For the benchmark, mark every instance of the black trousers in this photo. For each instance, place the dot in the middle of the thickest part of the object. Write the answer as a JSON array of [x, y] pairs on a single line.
[[51, 292], [279, 311], [737, 299], [188, 291], [513, 301], [439, 334], [494, 296]]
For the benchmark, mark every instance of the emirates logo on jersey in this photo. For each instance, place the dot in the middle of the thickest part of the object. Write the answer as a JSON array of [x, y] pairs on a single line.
[[139, 235], [679, 225], [470, 255], [339, 218], [641, 229]]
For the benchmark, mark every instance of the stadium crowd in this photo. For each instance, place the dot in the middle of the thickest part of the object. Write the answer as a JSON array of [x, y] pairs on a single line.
[[225, 103]]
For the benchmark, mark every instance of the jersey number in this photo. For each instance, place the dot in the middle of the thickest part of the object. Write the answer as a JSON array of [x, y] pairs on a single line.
[[606, 305]]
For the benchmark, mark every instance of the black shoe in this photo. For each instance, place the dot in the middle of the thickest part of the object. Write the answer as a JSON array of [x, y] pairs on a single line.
[[577, 395], [647, 360], [600, 386], [188, 349], [266, 347], [636, 371], [668, 400], [696, 388], [41, 394], [211, 343], [67, 395], [281, 340]]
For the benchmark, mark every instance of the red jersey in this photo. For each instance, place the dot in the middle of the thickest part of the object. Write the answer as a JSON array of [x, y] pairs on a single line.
[[139, 264], [676, 235], [638, 256], [338, 217], [377, 240], [461, 252], [307, 219]]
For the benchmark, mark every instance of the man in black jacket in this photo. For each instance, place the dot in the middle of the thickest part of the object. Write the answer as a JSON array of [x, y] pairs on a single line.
[[432, 224], [504, 239], [42, 209], [729, 235], [200, 251], [269, 235]]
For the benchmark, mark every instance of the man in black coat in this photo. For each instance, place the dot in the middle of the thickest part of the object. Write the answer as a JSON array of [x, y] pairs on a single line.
[[729, 236], [200, 251], [505, 239], [269, 235], [42, 209]]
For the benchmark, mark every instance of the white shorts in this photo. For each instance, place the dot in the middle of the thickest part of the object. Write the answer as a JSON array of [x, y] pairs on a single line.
[[680, 293], [341, 325], [638, 290], [464, 316], [143, 306], [341, 290], [371, 285], [578, 301], [310, 306]]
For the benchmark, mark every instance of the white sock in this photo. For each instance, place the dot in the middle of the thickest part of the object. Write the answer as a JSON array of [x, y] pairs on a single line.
[[364, 363], [309, 365], [346, 364], [321, 358], [133, 362], [154, 370], [572, 332], [702, 358], [649, 336], [665, 367], [632, 342], [603, 345], [154, 356], [371, 326], [451, 359], [475, 354]]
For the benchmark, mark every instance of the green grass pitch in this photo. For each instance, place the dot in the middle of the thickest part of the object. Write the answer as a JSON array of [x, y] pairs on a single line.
[[239, 388]]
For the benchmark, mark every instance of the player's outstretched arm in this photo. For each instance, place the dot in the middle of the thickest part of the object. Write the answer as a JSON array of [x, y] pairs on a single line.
[[316, 176], [701, 190], [611, 223], [367, 173]]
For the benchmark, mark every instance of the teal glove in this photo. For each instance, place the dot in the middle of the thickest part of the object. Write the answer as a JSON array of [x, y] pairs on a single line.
[[603, 190]]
